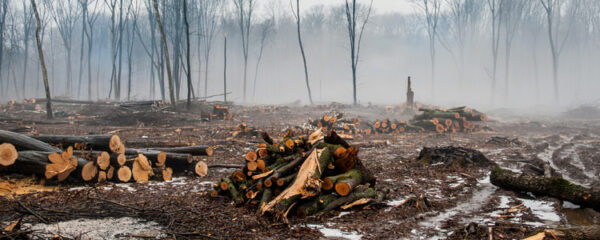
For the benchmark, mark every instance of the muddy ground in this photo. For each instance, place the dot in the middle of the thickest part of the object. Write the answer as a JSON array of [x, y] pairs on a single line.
[[463, 204]]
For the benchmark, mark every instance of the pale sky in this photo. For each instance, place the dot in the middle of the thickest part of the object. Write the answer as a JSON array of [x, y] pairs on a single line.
[[380, 6]]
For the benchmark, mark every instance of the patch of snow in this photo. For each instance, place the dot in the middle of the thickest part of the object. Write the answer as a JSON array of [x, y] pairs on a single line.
[[335, 233], [570, 205], [125, 186], [342, 214], [107, 228], [77, 188], [542, 209]]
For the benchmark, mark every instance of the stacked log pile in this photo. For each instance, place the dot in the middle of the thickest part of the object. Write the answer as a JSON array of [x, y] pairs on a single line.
[[338, 123], [26, 104], [305, 175], [95, 158], [440, 121]]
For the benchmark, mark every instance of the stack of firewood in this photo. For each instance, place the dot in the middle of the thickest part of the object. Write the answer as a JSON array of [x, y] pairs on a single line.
[[95, 158], [453, 120], [26, 104], [306, 175]]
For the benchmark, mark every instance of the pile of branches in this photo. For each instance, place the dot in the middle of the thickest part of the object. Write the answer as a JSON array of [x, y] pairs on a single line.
[[338, 123], [440, 121], [305, 175], [96, 158]]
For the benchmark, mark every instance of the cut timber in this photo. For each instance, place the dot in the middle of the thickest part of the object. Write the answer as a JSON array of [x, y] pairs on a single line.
[[124, 174], [572, 233], [197, 150], [23, 142], [101, 176], [139, 175], [307, 183], [251, 156], [115, 144], [103, 160], [110, 172], [542, 186], [89, 171], [315, 205], [359, 192], [8, 154], [345, 184], [99, 142], [164, 174], [200, 168]]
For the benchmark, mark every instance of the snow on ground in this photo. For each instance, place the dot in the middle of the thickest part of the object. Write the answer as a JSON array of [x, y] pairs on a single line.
[[107, 228], [335, 233]]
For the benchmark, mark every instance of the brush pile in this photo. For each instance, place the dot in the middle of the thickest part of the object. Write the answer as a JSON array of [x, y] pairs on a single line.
[[440, 121], [95, 158], [305, 175]]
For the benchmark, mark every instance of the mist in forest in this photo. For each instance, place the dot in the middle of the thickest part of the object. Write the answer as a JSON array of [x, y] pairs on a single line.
[[493, 53]]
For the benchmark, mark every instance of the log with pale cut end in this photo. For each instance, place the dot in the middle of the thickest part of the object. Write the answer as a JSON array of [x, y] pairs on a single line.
[[227, 185], [115, 144], [359, 192], [167, 174], [238, 176], [140, 174], [89, 171], [542, 186], [121, 159], [103, 160], [8, 154], [252, 166], [101, 176], [200, 168], [261, 165], [345, 184], [161, 158], [124, 174], [251, 156], [143, 162], [286, 180], [110, 172], [346, 160], [23, 142]]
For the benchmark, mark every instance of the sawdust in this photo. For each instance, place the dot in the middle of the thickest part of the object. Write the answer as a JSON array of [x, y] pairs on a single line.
[[22, 186]]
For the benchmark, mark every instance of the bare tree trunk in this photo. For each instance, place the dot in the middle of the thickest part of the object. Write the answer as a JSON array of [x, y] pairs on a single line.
[[187, 57], [166, 49], [84, 26], [2, 25], [297, 15], [49, 113], [225, 68]]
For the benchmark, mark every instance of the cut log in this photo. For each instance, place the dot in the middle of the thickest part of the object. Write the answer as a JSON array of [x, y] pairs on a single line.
[[199, 168], [345, 184], [572, 233], [110, 172], [251, 156], [8, 154], [89, 171], [359, 192], [115, 144], [22, 142], [124, 174], [315, 205], [103, 160], [101, 176], [542, 186], [197, 150], [99, 142], [453, 156]]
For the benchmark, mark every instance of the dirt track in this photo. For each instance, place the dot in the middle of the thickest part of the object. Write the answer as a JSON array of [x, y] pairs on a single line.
[[457, 196]]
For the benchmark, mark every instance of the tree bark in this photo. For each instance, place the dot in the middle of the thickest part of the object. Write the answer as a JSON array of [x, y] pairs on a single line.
[[23, 142], [38, 29], [542, 186], [166, 50]]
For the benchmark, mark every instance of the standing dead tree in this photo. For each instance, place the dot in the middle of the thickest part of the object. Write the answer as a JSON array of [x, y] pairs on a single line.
[[496, 11], [355, 38], [166, 49], [265, 30], [3, 12], [65, 15], [225, 67], [112, 7], [513, 15], [245, 9], [92, 16], [207, 26], [554, 17], [431, 8], [38, 29], [131, 29], [187, 56], [27, 30], [297, 16]]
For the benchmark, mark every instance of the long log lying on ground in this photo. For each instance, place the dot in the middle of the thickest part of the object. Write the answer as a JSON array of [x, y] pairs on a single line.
[[45, 164], [193, 150], [542, 186], [23, 142], [99, 142], [573, 233]]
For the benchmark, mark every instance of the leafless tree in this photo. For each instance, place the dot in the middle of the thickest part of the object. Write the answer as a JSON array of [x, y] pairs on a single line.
[[554, 21], [496, 13], [3, 12], [265, 29], [297, 16], [166, 49], [91, 17], [355, 38], [208, 11], [65, 15], [131, 29], [27, 30], [245, 9], [514, 12], [187, 57], [38, 29], [431, 8]]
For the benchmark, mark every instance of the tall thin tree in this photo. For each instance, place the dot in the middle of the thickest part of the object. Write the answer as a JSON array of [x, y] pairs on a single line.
[[166, 49], [297, 16], [49, 113], [245, 10], [355, 38]]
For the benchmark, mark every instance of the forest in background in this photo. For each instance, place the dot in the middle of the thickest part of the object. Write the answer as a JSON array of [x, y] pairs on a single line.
[[482, 53]]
